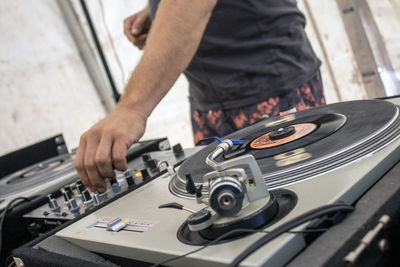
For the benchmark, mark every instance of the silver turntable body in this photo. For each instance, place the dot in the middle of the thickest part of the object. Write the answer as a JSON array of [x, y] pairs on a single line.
[[151, 232], [39, 179]]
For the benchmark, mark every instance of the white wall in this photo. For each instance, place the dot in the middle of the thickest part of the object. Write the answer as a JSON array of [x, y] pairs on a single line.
[[44, 88], [386, 15], [329, 28]]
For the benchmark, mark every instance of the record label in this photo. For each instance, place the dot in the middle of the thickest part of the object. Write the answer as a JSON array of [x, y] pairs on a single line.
[[299, 131]]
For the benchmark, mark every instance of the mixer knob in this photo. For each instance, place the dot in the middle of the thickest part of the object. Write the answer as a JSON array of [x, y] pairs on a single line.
[[97, 199], [129, 178], [72, 206], [68, 189], [53, 204], [86, 197], [146, 157], [80, 187], [103, 194], [151, 164], [115, 186], [145, 174], [138, 178], [67, 192], [178, 151], [67, 195]]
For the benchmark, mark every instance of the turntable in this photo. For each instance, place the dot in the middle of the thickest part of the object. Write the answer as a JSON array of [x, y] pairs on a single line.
[[41, 178], [261, 178]]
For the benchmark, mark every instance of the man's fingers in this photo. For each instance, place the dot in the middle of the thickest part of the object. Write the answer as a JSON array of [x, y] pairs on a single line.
[[141, 41], [119, 150], [139, 25], [90, 165], [127, 27], [80, 165], [103, 157], [136, 28]]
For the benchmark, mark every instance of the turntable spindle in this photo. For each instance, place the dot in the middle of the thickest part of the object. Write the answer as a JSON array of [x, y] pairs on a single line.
[[282, 133]]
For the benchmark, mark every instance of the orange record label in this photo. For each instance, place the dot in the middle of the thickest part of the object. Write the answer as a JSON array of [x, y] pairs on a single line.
[[301, 130]]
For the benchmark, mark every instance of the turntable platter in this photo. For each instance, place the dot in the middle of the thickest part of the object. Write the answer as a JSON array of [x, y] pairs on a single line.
[[34, 176], [334, 135]]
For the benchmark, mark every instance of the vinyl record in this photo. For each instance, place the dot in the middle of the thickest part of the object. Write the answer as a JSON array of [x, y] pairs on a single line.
[[304, 144]]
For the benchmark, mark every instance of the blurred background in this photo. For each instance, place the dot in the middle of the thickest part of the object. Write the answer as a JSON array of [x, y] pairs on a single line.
[[53, 80]]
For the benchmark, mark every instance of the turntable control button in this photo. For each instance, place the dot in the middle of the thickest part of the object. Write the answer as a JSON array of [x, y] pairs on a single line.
[[45, 213], [64, 214]]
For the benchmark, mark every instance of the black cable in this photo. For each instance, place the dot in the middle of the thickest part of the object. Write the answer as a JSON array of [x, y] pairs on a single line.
[[110, 39], [3, 216], [116, 94], [239, 230], [11, 262], [313, 214]]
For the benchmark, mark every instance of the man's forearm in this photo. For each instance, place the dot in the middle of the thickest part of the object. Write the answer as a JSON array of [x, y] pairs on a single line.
[[174, 37]]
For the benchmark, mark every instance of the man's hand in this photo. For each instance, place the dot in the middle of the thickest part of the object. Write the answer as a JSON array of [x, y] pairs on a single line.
[[136, 27], [105, 145]]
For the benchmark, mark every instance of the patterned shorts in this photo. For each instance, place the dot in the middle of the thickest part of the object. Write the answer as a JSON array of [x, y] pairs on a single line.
[[221, 122]]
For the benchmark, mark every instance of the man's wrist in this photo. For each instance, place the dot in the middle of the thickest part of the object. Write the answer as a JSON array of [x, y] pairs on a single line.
[[132, 107]]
